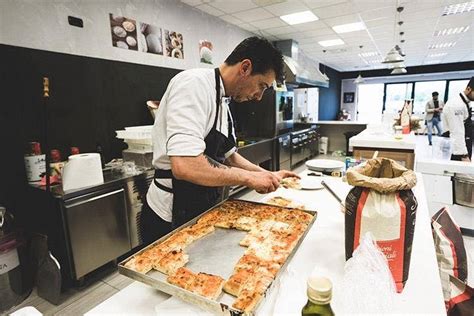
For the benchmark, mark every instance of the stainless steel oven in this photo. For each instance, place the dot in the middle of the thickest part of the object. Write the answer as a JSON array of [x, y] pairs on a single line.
[[284, 152], [303, 145], [98, 230]]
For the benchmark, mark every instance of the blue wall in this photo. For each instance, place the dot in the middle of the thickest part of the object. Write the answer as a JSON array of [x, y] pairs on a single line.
[[329, 98]]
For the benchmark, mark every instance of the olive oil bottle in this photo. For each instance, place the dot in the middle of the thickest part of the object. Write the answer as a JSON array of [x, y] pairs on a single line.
[[319, 297]]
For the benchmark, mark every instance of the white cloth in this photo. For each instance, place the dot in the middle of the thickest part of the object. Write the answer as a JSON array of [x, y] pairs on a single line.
[[183, 120], [453, 115]]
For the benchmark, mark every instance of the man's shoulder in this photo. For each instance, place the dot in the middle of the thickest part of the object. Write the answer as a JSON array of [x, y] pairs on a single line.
[[199, 76]]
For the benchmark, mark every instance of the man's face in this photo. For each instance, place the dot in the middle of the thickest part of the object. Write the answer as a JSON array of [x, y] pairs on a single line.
[[469, 92], [435, 98], [251, 87]]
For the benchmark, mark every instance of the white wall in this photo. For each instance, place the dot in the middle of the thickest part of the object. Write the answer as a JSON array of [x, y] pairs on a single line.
[[43, 24], [348, 85]]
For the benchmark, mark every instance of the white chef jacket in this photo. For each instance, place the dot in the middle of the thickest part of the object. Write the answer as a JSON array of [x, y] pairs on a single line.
[[183, 119], [454, 114]]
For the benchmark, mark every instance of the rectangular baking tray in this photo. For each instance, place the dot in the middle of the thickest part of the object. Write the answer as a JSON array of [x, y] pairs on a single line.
[[217, 254]]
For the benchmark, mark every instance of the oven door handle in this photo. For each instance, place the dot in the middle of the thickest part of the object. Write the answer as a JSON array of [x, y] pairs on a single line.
[[95, 198]]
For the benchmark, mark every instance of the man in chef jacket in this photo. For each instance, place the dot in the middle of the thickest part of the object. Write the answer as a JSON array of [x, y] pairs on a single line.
[[194, 150], [457, 121]]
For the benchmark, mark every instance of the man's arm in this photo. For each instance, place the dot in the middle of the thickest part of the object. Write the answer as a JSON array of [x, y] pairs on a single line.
[[236, 160], [198, 170], [428, 109]]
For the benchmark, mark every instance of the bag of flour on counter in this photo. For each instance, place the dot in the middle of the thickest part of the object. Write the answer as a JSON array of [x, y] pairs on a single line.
[[383, 204]]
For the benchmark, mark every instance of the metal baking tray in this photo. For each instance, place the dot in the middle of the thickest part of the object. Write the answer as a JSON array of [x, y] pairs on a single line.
[[216, 253]]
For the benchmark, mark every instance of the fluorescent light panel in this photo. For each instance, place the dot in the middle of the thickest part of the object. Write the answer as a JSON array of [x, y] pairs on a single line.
[[375, 61], [458, 8], [333, 42], [368, 54], [451, 31], [350, 27], [442, 45], [299, 17], [437, 55]]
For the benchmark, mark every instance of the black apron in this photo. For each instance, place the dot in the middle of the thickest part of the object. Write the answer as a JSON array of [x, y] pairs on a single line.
[[468, 127], [189, 199]]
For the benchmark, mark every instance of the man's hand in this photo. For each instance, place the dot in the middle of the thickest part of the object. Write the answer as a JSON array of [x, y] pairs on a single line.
[[466, 159], [285, 174], [263, 182]]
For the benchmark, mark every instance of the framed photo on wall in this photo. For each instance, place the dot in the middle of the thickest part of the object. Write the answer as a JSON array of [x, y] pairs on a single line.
[[349, 97]]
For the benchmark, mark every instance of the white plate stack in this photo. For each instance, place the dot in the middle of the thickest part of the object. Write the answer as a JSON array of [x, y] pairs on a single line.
[[137, 138], [325, 165]]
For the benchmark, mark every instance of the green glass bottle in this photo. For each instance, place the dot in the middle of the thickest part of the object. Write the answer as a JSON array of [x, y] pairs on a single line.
[[319, 297]]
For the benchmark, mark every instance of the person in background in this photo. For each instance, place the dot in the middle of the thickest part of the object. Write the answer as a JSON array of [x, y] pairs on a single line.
[[433, 110], [194, 149], [458, 124]]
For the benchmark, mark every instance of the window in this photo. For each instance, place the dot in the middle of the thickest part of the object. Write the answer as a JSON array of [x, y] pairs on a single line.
[[423, 91], [395, 96], [370, 102], [455, 87]]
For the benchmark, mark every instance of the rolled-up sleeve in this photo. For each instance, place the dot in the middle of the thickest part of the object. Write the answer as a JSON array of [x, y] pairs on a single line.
[[187, 116]]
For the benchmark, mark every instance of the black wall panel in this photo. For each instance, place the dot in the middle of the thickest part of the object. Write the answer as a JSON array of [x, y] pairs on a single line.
[[90, 99]]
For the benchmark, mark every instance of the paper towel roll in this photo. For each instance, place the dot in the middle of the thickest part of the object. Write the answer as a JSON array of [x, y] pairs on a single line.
[[82, 170]]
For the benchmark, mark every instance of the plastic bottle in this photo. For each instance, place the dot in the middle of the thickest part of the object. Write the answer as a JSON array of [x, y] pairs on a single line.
[[319, 297]]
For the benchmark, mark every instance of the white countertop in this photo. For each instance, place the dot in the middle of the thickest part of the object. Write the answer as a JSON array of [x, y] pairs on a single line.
[[444, 167], [323, 249], [369, 139]]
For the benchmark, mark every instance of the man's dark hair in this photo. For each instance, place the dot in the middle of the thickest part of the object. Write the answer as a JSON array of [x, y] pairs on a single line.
[[263, 55], [435, 94], [470, 84]]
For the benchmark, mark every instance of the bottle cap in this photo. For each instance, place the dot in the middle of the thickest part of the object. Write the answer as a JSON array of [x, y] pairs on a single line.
[[35, 148], [74, 150], [319, 290], [55, 155]]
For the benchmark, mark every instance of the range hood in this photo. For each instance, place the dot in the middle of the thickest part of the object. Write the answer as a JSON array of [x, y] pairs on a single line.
[[300, 70]]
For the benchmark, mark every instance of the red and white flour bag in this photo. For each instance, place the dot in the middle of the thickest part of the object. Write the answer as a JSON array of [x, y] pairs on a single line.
[[450, 251], [383, 204], [461, 302]]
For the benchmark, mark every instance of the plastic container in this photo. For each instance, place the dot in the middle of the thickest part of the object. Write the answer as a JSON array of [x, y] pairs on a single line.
[[323, 145]]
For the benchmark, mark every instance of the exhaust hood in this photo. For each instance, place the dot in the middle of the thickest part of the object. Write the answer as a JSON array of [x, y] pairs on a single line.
[[300, 70]]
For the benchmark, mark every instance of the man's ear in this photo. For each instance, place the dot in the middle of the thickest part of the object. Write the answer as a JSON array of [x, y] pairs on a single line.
[[246, 67]]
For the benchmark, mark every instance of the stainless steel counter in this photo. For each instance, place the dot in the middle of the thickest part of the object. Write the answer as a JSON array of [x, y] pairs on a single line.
[[111, 178]]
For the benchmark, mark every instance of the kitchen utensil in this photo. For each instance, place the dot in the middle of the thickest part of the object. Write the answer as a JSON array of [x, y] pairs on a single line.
[[334, 194], [464, 189]]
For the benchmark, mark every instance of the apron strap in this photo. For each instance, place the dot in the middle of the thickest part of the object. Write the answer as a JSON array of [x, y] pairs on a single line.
[[218, 95], [163, 174]]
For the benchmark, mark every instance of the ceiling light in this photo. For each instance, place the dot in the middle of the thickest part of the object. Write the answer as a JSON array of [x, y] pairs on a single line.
[[442, 45], [398, 71], [437, 55], [333, 42], [451, 31], [374, 61], [299, 17], [393, 56], [458, 8], [359, 79], [351, 27], [399, 50], [368, 54], [396, 65]]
